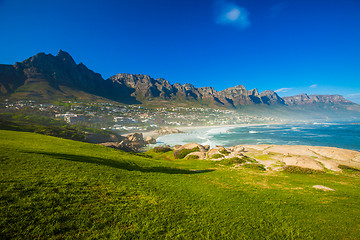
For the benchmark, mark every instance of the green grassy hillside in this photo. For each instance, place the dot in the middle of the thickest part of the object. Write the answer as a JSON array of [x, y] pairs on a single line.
[[52, 188]]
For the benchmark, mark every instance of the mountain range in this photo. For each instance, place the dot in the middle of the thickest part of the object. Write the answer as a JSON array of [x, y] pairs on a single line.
[[46, 77]]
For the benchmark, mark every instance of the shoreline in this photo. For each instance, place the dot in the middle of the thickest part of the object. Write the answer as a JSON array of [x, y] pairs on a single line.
[[185, 129]]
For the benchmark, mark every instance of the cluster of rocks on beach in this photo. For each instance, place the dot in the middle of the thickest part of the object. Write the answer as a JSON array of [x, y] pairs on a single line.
[[277, 156]]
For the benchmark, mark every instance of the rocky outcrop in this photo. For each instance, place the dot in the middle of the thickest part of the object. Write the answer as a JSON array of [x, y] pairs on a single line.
[[131, 142], [276, 156], [146, 88], [150, 140], [304, 99]]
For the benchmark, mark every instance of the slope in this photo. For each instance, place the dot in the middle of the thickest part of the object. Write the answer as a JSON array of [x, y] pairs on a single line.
[[56, 188]]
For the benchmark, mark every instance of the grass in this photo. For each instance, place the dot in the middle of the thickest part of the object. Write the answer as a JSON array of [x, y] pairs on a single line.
[[53, 188], [255, 166], [217, 156], [301, 170], [231, 161]]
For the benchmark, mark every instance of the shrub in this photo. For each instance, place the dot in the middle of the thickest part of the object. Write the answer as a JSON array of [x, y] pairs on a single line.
[[216, 156], [248, 159], [192, 157], [161, 149], [255, 166], [297, 169], [350, 169], [225, 152], [231, 161], [180, 154]]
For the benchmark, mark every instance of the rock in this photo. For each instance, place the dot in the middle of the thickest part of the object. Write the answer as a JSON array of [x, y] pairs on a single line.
[[97, 138], [123, 145], [303, 161], [135, 140], [212, 152], [192, 146], [177, 147], [321, 187], [207, 147], [237, 149], [150, 140], [201, 155]]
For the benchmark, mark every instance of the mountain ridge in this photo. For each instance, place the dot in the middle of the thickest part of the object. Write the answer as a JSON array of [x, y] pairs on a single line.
[[46, 77]]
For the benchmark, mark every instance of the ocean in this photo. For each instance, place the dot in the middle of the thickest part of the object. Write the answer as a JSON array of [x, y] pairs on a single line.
[[341, 135]]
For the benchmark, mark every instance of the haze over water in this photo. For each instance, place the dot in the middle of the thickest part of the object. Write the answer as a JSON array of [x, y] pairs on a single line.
[[341, 135]]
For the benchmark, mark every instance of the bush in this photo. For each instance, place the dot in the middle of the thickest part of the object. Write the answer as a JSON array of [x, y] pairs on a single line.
[[255, 166], [180, 154], [161, 149], [350, 169], [297, 169], [225, 152], [231, 161], [248, 159], [216, 156], [192, 157]]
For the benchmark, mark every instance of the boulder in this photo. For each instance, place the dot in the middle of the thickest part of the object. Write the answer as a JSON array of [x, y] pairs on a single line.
[[192, 146], [135, 140], [150, 140], [201, 155], [238, 149], [212, 152], [177, 147]]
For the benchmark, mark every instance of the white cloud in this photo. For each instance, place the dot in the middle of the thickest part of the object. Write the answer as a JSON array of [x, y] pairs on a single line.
[[228, 13], [355, 95], [313, 86], [283, 90]]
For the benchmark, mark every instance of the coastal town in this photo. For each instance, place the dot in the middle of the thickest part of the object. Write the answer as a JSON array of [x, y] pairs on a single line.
[[132, 118]]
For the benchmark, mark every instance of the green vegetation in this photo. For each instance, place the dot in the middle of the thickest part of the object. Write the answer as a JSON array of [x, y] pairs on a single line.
[[180, 154], [225, 152], [161, 149], [39, 124], [192, 157], [231, 161], [255, 166], [53, 188], [216, 156], [46, 125], [297, 169], [349, 169], [248, 159]]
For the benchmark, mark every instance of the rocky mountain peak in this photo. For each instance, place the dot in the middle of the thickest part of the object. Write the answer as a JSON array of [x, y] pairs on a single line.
[[65, 57]]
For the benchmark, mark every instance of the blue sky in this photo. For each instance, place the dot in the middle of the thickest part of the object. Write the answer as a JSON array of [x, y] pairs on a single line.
[[291, 46]]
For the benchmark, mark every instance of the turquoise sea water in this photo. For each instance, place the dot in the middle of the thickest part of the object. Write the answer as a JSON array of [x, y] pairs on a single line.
[[341, 135]]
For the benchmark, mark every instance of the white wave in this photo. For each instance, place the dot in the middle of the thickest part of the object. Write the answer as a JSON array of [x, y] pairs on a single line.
[[253, 132], [218, 130]]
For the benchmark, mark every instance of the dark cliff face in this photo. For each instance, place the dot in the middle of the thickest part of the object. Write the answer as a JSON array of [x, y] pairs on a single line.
[[44, 75]]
